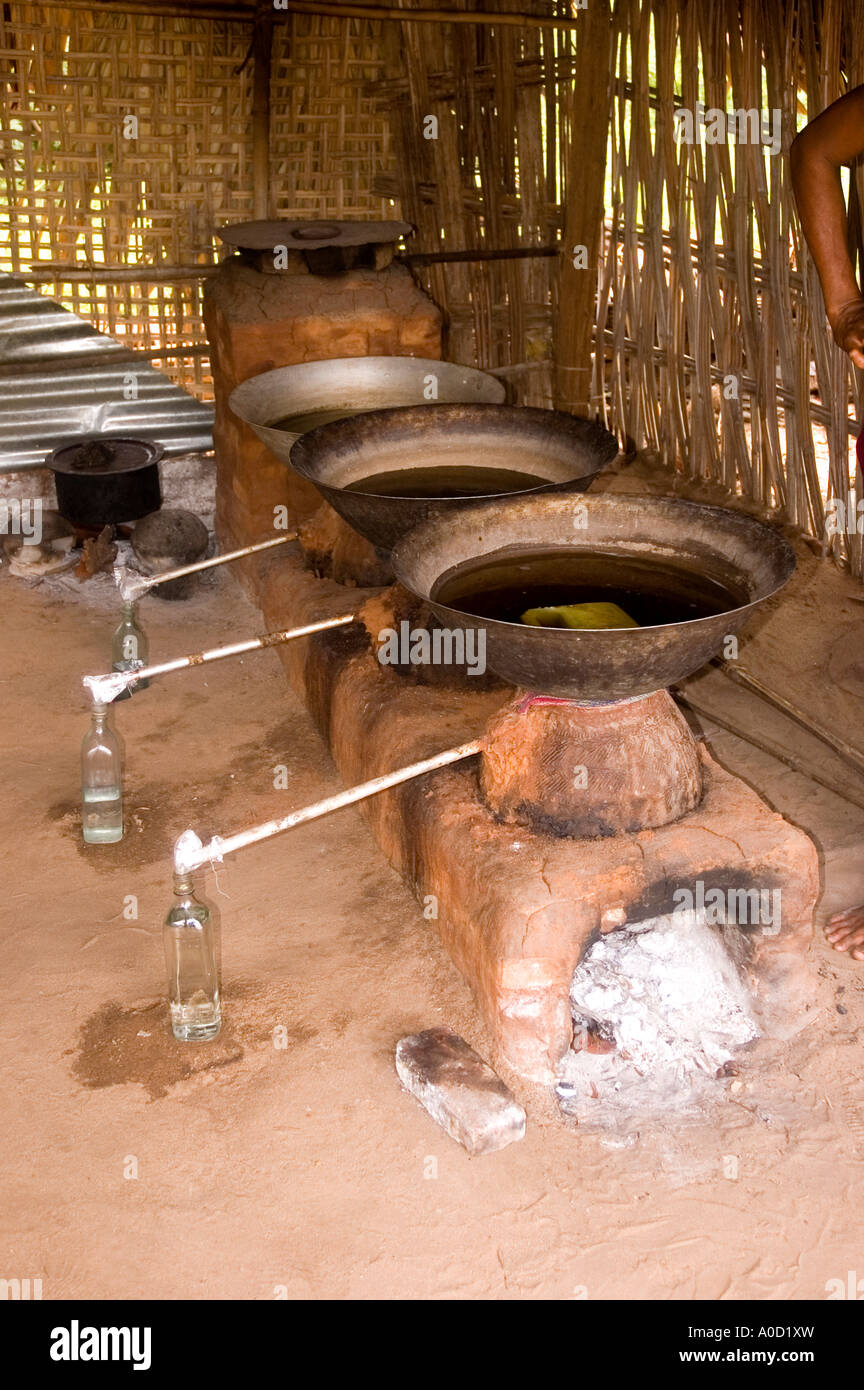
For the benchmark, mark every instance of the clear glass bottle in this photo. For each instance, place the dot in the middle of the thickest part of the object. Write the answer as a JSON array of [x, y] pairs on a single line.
[[101, 781], [190, 957], [129, 647]]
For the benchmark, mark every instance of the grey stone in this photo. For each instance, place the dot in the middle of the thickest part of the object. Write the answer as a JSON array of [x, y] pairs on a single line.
[[167, 539], [460, 1091]]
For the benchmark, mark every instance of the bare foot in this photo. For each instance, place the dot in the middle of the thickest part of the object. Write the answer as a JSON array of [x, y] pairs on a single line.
[[845, 932]]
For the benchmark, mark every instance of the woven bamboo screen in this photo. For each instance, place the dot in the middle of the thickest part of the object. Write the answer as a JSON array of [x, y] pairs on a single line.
[[327, 141], [81, 185], [711, 335], [713, 328], [78, 189], [490, 177]]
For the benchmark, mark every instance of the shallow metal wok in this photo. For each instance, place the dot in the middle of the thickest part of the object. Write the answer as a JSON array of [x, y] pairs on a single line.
[[561, 450], [350, 385], [610, 664]]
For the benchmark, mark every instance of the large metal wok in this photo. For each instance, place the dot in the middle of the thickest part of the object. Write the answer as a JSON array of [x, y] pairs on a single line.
[[609, 664], [561, 450], [350, 385]]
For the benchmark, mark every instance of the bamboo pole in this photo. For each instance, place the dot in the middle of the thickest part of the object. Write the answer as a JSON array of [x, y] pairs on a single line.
[[510, 253], [795, 764], [262, 48], [245, 14], [106, 688], [588, 129], [833, 741], [134, 586], [428, 16], [191, 854], [241, 14], [52, 272], [55, 272], [104, 357]]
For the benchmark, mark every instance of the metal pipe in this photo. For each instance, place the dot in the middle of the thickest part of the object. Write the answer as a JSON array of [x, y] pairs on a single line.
[[190, 853], [516, 253], [133, 586], [105, 688]]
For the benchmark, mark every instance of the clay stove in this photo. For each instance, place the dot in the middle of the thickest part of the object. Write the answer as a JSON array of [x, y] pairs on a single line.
[[517, 904], [527, 866], [526, 863], [606, 763]]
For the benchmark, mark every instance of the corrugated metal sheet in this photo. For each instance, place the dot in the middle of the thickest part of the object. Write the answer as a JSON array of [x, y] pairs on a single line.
[[42, 408]]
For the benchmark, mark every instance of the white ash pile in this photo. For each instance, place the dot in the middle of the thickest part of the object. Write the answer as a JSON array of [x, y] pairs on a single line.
[[659, 1009]]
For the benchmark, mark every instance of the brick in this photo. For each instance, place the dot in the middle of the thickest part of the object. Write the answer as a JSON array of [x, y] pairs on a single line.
[[459, 1090]]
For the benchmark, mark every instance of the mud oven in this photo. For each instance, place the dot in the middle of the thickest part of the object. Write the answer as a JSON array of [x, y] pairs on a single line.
[[592, 807]]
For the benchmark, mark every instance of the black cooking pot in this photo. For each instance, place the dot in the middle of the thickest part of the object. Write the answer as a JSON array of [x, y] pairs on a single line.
[[105, 478]]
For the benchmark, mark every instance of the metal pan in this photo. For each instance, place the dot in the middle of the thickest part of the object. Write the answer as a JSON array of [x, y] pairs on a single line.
[[562, 450], [609, 664], [344, 386]]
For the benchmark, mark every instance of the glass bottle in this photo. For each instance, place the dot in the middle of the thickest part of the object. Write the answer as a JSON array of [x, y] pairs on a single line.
[[101, 781], [193, 981], [129, 646]]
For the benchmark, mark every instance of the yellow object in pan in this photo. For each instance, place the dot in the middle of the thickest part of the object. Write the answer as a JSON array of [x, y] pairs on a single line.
[[579, 615]]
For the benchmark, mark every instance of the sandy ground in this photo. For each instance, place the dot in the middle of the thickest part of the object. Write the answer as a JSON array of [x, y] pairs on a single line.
[[136, 1167]]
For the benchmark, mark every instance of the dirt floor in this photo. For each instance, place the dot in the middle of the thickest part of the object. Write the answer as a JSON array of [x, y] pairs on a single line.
[[285, 1160]]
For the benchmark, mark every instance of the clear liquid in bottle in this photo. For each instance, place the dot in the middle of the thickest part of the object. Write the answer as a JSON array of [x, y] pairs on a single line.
[[101, 782], [190, 958]]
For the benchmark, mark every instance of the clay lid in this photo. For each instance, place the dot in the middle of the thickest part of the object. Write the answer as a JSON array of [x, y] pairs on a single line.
[[104, 453], [309, 234]]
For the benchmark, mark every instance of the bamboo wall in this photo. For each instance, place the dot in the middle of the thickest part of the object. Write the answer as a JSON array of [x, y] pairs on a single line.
[[701, 279], [706, 289], [711, 341], [74, 189], [491, 178]]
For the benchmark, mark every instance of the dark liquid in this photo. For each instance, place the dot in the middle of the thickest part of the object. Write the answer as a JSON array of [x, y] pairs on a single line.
[[652, 592], [448, 480]]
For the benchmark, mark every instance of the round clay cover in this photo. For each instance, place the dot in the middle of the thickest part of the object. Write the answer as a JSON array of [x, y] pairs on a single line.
[[170, 535], [309, 234]]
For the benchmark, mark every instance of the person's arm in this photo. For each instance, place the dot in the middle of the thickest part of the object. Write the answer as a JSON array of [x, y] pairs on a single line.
[[833, 139]]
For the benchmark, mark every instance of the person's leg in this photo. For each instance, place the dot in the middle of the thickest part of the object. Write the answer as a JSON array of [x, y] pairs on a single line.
[[845, 932]]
